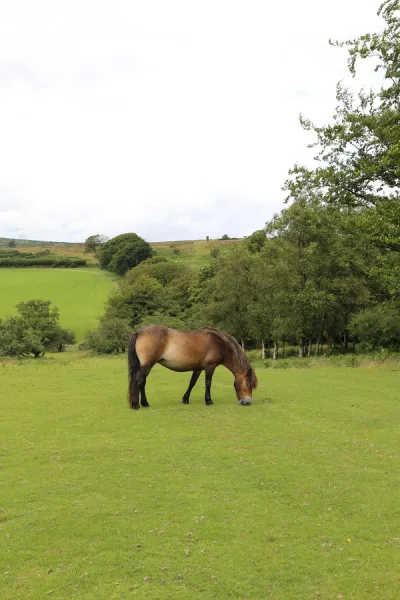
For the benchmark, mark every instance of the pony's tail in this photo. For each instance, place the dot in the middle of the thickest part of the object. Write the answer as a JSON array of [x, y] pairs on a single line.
[[133, 368]]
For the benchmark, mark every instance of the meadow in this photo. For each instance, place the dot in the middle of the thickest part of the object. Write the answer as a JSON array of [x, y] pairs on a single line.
[[294, 498], [193, 253], [79, 294]]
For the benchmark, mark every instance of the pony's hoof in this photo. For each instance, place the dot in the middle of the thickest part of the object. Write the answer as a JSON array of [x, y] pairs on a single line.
[[147, 405], [209, 402], [135, 406], [185, 401]]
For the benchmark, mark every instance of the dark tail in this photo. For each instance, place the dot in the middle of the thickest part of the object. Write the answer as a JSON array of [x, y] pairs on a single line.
[[133, 368]]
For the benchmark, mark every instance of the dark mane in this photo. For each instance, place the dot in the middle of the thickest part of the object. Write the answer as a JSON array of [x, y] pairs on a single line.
[[240, 359]]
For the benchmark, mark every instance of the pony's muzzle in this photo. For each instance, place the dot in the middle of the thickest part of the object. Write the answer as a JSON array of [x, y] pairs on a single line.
[[245, 401]]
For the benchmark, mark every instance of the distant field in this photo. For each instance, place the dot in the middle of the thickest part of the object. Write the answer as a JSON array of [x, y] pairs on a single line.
[[294, 498], [78, 293], [194, 253]]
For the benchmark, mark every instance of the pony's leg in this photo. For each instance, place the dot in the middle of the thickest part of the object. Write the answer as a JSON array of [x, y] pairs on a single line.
[[193, 380], [142, 377], [209, 376]]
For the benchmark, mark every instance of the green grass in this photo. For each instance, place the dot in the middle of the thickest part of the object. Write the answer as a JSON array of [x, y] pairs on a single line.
[[294, 498], [79, 294], [193, 253]]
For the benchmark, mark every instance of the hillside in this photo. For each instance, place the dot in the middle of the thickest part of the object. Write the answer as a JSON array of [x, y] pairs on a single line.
[[79, 294], [195, 253]]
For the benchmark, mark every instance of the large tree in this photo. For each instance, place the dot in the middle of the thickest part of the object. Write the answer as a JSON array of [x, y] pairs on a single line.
[[359, 152], [123, 252]]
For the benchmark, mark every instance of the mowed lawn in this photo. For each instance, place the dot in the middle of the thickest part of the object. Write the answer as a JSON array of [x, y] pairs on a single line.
[[79, 294], [295, 497]]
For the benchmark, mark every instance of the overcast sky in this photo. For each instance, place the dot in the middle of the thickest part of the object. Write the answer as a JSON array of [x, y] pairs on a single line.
[[175, 119]]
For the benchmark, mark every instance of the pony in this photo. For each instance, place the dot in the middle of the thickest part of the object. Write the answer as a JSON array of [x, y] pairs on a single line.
[[198, 350]]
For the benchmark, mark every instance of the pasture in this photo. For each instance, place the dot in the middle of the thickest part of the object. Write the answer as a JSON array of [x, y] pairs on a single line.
[[79, 294], [193, 253], [296, 497]]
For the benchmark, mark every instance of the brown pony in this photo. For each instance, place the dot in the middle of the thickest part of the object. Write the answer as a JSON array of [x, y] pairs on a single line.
[[197, 351]]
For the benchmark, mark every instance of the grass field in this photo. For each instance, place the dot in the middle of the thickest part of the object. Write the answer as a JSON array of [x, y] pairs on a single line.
[[194, 253], [296, 497], [78, 293]]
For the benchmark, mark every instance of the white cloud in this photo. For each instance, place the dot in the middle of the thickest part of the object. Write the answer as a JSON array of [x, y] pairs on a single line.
[[171, 119]]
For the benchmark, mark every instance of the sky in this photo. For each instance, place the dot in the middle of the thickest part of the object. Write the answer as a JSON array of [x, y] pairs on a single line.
[[174, 119]]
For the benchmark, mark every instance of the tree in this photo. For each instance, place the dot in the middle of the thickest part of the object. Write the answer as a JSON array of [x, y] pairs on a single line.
[[233, 294], [322, 274], [225, 237], [112, 335], [359, 153], [377, 326], [35, 331], [124, 252], [12, 244], [156, 286], [94, 243], [256, 241]]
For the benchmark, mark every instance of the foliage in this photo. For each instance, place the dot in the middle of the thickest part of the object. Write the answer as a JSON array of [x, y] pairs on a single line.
[[94, 243], [256, 241], [225, 237], [16, 258], [11, 244], [112, 335], [124, 252], [154, 292], [377, 326], [359, 154], [34, 331]]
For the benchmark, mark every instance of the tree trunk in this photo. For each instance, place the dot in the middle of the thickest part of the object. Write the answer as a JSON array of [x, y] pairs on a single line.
[[301, 348], [242, 343], [275, 355], [309, 348], [283, 348], [317, 347], [263, 349], [345, 341]]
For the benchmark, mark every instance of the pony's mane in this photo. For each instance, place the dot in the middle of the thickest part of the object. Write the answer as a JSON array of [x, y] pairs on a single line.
[[239, 356]]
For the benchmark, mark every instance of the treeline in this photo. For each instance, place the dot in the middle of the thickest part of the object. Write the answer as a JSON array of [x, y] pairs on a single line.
[[16, 258], [308, 279]]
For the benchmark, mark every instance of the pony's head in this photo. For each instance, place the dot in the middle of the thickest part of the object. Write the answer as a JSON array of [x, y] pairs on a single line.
[[244, 385]]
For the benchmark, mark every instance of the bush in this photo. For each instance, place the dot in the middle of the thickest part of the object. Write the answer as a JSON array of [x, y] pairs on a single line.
[[35, 331], [14, 258], [123, 252], [377, 326], [111, 336]]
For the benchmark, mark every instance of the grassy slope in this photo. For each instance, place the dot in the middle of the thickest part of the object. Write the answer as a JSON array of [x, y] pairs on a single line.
[[295, 497], [78, 293], [192, 253], [195, 253]]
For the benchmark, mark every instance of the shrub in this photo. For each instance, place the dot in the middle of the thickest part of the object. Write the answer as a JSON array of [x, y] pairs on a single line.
[[34, 331], [112, 335], [124, 252]]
